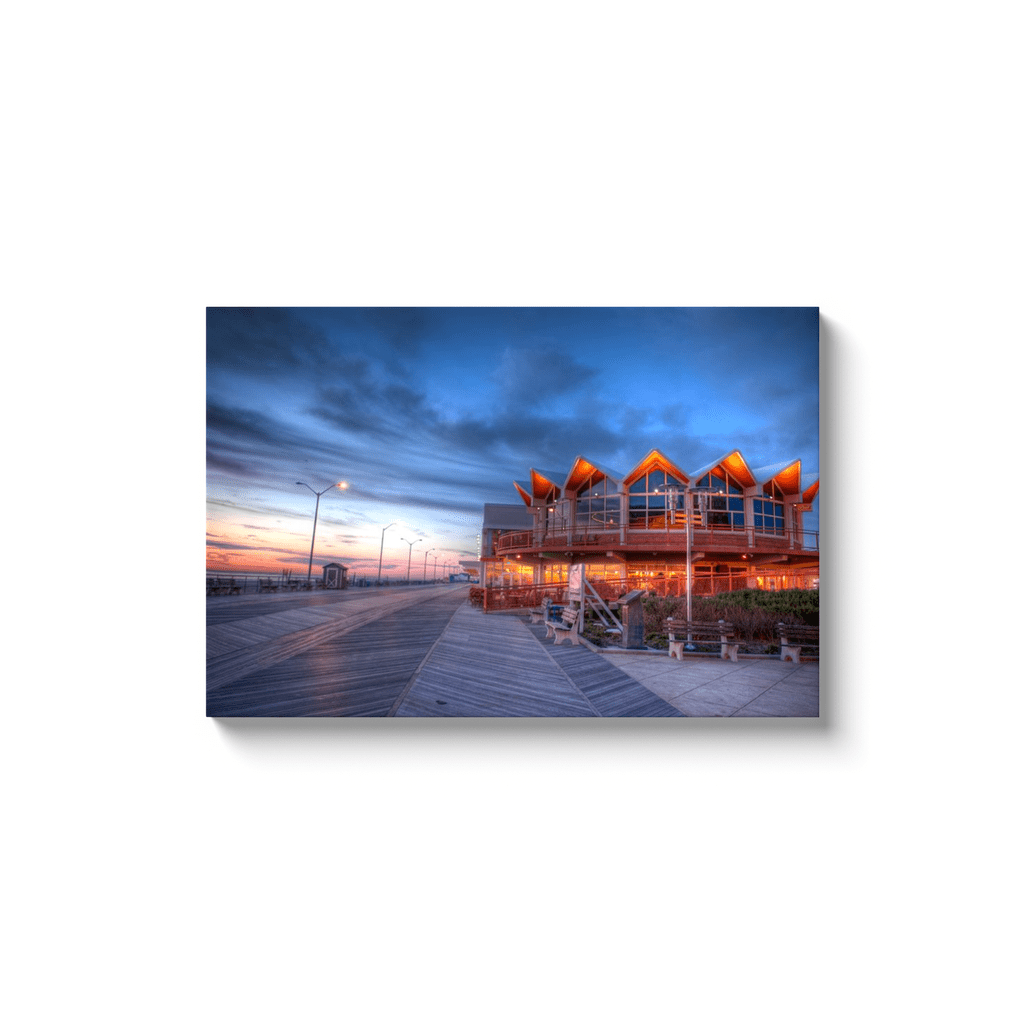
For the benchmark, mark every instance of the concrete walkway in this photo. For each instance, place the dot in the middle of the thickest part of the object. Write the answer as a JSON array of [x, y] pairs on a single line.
[[712, 688]]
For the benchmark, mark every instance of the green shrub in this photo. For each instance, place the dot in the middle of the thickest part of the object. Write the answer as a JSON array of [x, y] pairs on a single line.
[[754, 613]]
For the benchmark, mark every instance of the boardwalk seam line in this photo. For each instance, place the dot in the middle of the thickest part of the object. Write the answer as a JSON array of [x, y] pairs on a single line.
[[551, 658], [419, 668]]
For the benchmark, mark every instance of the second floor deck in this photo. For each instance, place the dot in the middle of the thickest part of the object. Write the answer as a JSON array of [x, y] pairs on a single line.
[[670, 538]]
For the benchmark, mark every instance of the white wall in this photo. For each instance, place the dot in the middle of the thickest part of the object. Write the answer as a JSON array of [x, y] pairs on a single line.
[[163, 867]]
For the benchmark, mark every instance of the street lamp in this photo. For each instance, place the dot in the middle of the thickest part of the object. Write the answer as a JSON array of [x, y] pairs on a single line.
[[672, 503], [435, 566], [425, 553], [381, 560], [409, 566], [298, 483]]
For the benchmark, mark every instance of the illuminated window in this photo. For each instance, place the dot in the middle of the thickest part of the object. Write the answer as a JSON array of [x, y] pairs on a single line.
[[769, 512], [650, 497], [558, 515], [720, 496], [598, 506]]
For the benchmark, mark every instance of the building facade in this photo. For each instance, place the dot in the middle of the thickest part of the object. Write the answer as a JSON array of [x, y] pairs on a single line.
[[736, 527]]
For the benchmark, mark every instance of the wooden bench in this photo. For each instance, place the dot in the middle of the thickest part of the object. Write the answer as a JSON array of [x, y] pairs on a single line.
[[793, 638], [542, 613], [720, 632], [568, 627], [265, 584], [223, 586]]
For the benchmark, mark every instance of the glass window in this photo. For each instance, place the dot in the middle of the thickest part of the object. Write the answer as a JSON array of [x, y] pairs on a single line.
[[769, 516], [719, 508], [651, 497], [597, 507]]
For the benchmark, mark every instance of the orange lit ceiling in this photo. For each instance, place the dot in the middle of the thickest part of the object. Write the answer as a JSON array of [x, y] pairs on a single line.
[[544, 484], [788, 479], [735, 465], [541, 487], [651, 461], [586, 472]]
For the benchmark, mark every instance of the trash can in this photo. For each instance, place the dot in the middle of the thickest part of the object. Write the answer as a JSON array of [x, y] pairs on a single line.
[[631, 608]]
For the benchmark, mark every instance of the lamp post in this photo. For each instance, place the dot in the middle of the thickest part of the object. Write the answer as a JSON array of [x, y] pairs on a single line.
[[408, 567], [425, 553], [672, 494], [380, 561], [435, 566], [688, 501], [316, 512]]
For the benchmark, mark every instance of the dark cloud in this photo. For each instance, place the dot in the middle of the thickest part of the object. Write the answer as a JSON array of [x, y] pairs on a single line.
[[242, 424], [402, 331], [224, 464], [384, 413], [262, 341], [531, 376]]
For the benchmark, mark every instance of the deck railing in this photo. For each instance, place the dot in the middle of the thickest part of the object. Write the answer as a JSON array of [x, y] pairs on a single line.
[[511, 598], [672, 539]]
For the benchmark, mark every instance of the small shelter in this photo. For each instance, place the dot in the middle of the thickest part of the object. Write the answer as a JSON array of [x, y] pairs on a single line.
[[335, 576]]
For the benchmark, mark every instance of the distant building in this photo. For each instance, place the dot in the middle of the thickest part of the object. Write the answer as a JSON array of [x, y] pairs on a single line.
[[500, 521], [335, 576], [743, 526]]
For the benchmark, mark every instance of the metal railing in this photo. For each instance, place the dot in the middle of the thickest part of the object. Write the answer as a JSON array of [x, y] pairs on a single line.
[[672, 538]]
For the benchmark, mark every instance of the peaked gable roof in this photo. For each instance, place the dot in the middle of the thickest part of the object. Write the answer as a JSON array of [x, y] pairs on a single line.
[[583, 470], [523, 489], [785, 474], [651, 461], [810, 488], [734, 464]]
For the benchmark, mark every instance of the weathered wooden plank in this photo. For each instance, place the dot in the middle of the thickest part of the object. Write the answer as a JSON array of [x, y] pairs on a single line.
[[360, 671], [611, 691], [491, 666], [273, 638], [371, 659]]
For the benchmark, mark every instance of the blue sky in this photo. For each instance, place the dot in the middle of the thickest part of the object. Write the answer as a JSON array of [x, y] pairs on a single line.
[[428, 413]]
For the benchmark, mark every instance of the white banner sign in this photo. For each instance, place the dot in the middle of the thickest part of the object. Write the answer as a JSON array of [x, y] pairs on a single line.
[[576, 583]]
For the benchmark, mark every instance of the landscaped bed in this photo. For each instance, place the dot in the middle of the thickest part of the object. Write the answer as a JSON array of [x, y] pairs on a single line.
[[755, 614]]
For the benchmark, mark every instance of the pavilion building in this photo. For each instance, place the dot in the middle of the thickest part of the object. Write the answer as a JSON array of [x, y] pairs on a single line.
[[738, 527]]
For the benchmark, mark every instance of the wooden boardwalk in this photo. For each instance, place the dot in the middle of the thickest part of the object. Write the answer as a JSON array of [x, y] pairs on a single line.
[[612, 692], [491, 665], [407, 654], [358, 666]]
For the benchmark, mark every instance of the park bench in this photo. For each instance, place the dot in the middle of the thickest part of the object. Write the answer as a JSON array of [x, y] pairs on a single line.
[[265, 584], [222, 586], [720, 632], [569, 626], [542, 613], [793, 639]]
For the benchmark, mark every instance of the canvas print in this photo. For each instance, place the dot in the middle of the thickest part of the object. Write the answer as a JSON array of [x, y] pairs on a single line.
[[512, 512]]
